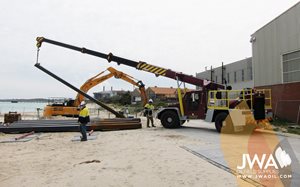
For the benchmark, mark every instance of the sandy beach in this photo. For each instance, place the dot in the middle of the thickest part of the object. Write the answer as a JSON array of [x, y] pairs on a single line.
[[143, 157]]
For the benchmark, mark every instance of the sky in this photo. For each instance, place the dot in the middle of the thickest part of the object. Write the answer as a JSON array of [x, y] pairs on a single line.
[[185, 36]]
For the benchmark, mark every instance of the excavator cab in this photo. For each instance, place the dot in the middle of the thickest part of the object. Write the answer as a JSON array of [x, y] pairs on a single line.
[[60, 107], [60, 101]]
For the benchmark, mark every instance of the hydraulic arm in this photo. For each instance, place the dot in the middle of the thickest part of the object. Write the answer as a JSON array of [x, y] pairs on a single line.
[[113, 73]]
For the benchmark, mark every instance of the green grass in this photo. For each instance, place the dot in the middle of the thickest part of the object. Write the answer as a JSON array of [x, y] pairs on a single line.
[[284, 126], [294, 131], [280, 122]]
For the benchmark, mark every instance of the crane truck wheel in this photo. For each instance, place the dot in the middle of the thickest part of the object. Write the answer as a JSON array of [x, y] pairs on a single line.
[[169, 119], [224, 123]]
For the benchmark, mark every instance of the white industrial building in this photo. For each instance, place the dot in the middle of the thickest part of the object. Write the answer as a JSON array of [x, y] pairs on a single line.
[[275, 64]]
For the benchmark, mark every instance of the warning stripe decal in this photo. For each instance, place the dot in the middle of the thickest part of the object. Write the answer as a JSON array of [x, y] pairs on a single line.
[[161, 72], [153, 69], [143, 65]]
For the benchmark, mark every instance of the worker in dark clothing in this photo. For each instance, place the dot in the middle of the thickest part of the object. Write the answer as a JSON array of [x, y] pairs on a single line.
[[149, 107], [83, 119]]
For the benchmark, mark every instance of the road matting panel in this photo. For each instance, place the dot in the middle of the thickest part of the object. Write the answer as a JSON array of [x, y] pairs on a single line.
[[214, 155]]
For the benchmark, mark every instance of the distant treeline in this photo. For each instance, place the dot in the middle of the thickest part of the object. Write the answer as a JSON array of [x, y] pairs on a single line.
[[34, 100]]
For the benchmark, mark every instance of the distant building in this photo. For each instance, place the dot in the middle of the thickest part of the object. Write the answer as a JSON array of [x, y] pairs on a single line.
[[237, 74], [104, 95], [161, 93], [136, 96], [167, 94]]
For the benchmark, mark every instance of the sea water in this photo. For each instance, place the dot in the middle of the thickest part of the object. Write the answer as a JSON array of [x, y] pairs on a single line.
[[21, 107]]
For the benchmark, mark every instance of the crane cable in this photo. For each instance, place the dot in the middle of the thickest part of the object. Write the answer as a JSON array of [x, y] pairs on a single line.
[[37, 55]]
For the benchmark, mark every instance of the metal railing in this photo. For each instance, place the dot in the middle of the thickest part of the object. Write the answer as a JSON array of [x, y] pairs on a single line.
[[268, 97], [222, 99]]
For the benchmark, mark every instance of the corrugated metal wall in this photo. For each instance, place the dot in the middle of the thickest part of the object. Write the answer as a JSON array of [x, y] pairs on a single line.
[[237, 74], [280, 36]]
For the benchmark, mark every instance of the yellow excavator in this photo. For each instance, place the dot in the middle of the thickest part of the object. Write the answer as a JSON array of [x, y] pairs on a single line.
[[69, 108]]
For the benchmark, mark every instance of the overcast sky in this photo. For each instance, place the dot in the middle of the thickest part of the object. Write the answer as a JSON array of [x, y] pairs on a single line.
[[180, 35]]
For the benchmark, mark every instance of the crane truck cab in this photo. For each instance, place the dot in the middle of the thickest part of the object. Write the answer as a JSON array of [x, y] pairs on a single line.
[[230, 110], [193, 107]]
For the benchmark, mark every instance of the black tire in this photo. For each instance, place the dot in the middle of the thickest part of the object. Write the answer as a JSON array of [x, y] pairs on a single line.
[[170, 119], [219, 123]]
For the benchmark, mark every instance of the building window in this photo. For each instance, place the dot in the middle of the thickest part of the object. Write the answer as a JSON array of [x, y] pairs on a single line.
[[228, 78], [291, 67], [250, 74], [243, 75], [216, 79], [235, 76]]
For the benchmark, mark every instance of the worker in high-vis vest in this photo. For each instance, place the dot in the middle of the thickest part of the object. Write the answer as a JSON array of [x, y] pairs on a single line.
[[149, 107], [83, 119]]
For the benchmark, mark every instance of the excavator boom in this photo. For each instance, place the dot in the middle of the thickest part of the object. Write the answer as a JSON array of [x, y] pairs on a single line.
[[90, 84], [113, 73]]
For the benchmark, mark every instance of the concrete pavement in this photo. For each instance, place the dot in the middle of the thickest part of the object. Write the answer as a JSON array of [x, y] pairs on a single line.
[[226, 151]]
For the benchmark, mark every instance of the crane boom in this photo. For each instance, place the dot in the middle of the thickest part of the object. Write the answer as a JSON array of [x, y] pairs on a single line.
[[158, 71]]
